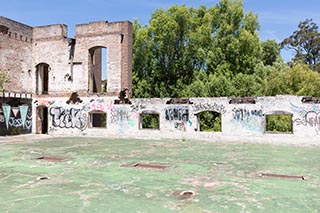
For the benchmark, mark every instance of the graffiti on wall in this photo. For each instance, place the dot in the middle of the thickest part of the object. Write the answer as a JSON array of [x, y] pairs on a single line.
[[19, 122], [177, 113], [122, 117], [16, 121], [6, 112], [45, 103], [248, 119], [137, 107], [180, 126], [119, 114], [97, 105], [209, 107], [309, 117], [69, 118], [242, 114]]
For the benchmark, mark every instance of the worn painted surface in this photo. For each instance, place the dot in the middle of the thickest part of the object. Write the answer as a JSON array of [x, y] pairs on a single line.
[[180, 121]]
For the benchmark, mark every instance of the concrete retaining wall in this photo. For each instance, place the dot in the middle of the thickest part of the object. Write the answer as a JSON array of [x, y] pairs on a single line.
[[239, 121]]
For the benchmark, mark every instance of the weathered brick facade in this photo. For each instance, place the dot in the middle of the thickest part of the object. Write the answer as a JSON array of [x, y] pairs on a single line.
[[16, 54], [43, 61]]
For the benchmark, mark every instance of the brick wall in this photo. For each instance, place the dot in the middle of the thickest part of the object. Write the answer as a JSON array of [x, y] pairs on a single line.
[[16, 55]]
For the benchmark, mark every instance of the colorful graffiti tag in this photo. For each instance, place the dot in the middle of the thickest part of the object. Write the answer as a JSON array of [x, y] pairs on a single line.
[[16, 121]]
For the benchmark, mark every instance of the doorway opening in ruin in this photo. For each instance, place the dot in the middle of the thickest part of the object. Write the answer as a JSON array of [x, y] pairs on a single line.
[[209, 121], [42, 78], [98, 119], [149, 120], [42, 120], [98, 70], [278, 122]]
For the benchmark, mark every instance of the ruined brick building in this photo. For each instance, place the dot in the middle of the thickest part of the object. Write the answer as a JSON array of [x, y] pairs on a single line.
[[56, 88], [44, 61]]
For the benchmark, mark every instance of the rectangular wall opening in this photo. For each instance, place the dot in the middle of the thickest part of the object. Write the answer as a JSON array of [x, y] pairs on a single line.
[[279, 123], [149, 121], [98, 120], [209, 121]]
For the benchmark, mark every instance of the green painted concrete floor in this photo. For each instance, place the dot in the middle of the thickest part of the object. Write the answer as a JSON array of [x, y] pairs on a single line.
[[110, 175]]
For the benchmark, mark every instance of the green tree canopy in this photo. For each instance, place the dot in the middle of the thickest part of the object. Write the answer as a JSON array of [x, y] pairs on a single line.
[[296, 80], [305, 42], [180, 44]]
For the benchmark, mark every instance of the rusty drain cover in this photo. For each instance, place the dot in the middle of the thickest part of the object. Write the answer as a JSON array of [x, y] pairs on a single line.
[[282, 176], [50, 158]]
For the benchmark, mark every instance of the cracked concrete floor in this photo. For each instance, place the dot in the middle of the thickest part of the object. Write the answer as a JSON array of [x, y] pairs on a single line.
[[46, 174]]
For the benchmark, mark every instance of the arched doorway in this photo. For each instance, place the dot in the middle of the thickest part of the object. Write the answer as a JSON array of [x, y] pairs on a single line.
[[42, 120], [97, 70], [42, 78]]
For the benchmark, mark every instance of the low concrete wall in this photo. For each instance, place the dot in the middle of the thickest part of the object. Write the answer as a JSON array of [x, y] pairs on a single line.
[[241, 119]]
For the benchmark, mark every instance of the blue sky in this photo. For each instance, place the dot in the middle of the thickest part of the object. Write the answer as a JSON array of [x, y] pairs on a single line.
[[278, 18]]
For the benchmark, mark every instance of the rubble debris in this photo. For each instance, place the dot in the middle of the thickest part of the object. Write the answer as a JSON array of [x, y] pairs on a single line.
[[74, 99], [123, 97]]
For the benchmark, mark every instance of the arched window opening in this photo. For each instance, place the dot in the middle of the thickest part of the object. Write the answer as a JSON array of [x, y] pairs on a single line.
[[149, 120], [42, 78], [98, 70], [209, 121]]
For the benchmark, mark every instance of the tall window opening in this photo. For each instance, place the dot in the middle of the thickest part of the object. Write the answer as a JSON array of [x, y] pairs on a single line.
[[98, 70], [42, 78], [209, 121]]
